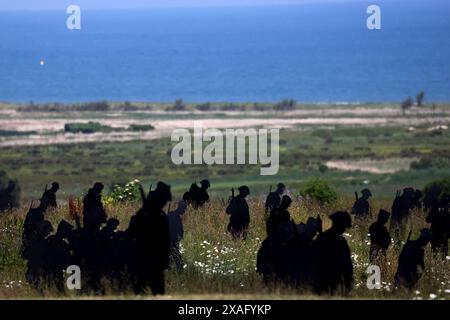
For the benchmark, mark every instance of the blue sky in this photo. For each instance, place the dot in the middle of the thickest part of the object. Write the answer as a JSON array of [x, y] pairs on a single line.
[[122, 4]]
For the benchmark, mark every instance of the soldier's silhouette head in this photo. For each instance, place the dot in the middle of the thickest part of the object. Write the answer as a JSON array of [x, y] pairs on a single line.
[[97, 188], [409, 192], [341, 221], [285, 202], [64, 229], [55, 187], [281, 188], [205, 184], [244, 191], [366, 193], [383, 216]]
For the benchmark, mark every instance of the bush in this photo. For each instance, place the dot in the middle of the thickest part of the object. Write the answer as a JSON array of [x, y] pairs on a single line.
[[407, 104], [204, 106], [436, 191], [127, 193], [285, 105], [141, 127], [9, 192], [179, 105], [89, 127], [320, 191], [323, 168], [419, 98]]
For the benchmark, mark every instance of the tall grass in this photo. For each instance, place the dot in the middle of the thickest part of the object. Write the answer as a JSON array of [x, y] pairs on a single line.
[[216, 265]]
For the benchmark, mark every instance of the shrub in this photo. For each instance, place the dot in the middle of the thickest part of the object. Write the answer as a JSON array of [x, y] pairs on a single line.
[[320, 191], [436, 191], [407, 104], [179, 105], [204, 106], [9, 192], [89, 127], [94, 106], [141, 127], [422, 164], [285, 105], [419, 98]]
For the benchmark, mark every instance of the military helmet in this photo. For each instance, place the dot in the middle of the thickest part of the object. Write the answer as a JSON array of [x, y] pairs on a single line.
[[383, 215], [205, 183], [366, 191], [244, 189], [281, 186], [98, 187], [163, 190]]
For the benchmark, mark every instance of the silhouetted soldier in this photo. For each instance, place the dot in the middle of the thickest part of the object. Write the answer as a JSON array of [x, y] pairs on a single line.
[[274, 256], [380, 239], [278, 215], [109, 247], [94, 214], [197, 196], [411, 264], [401, 210], [273, 199], [34, 254], [6, 199], [50, 195], [239, 213], [176, 232], [149, 235], [33, 219], [361, 207], [57, 255], [439, 217], [333, 263], [302, 264], [202, 196]]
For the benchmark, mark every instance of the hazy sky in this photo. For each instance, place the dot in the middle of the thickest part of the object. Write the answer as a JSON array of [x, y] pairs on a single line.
[[102, 4]]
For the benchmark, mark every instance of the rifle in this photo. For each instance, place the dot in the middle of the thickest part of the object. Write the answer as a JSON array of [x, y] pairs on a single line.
[[270, 189], [356, 195], [232, 193], [149, 193]]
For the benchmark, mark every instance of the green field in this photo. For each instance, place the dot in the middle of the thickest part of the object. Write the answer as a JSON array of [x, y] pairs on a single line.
[[412, 149]]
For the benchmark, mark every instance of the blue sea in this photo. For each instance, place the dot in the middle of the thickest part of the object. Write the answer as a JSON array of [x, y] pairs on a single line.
[[311, 52]]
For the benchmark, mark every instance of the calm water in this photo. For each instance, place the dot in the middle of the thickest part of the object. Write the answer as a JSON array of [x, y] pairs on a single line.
[[313, 53]]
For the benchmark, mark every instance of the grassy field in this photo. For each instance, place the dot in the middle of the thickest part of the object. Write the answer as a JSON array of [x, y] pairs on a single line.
[[304, 153], [218, 266], [374, 146]]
